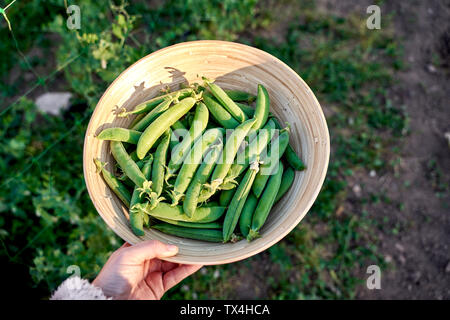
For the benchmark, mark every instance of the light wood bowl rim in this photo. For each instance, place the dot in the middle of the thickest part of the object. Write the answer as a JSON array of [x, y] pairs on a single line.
[[280, 235]]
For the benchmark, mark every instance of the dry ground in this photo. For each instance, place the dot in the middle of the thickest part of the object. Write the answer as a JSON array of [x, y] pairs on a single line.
[[415, 232]]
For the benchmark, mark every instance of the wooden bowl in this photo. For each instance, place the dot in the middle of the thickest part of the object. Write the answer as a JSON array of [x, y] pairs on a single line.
[[234, 66]]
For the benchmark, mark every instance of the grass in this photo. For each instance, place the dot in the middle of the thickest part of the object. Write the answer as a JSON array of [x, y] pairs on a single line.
[[47, 221]]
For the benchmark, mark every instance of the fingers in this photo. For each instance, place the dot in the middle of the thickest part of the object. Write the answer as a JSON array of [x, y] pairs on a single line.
[[160, 265], [174, 276], [147, 250], [155, 284], [166, 266]]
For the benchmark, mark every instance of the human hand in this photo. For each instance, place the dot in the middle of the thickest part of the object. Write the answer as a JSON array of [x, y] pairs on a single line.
[[136, 272]]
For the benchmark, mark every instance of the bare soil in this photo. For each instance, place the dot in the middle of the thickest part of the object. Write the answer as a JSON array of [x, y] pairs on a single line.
[[414, 229]]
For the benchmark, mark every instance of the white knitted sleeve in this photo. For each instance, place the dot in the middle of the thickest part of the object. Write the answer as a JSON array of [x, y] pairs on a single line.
[[75, 288]]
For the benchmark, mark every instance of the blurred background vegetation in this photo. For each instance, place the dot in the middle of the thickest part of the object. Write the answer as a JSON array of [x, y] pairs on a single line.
[[47, 221]]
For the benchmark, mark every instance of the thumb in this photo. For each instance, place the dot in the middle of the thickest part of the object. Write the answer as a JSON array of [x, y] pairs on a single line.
[[147, 250]]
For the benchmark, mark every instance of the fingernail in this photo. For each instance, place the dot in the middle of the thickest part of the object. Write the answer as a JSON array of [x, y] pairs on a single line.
[[172, 248]]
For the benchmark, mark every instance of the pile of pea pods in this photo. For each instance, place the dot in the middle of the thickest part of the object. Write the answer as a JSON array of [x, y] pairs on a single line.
[[201, 163]]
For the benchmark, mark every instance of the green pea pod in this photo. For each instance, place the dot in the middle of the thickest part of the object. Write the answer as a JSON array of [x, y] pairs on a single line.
[[248, 110], [226, 196], [226, 101], [222, 116], [286, 182], [166, 211], [293, 159], [253, 149], [137, 223], [136, 217], [152, 115], [159, 163], [147, 166], [211, 235], [198, 88], [245, 219], [137, 119], [257, 146], [237, 95], [193, 161], [161, 124], [114, 184], [190, 117], [178, 154], [184, 121], [136, 195], [210, 204], [229, 185], [120, 134], [149, 105], [229, 153], [270, 162], [201, 176], [128, 166], [134, 156], [196, 225], [262, 108], [139, 163], [126, 181], [237, 202], [265, 203], [177, 129], [146, 220], [290, 155], [178, 125], [158, 169], [212, 124]]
